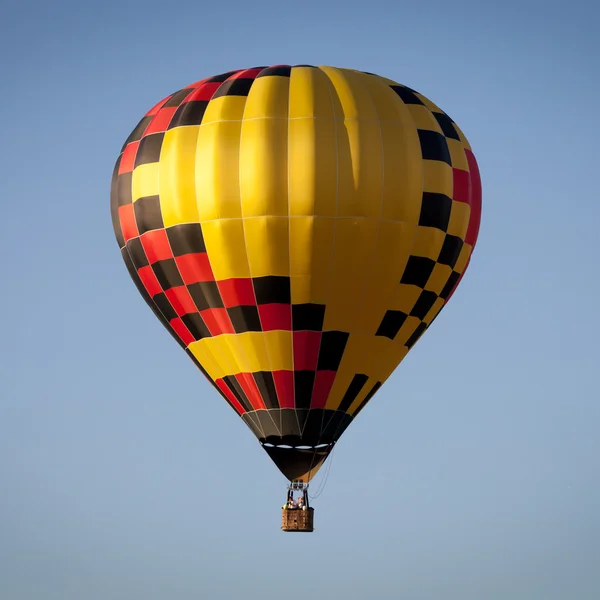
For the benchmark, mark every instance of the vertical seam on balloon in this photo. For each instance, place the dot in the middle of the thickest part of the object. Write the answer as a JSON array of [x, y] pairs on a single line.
[[248, 261], [332, 90], [301, 430], [380, 218]]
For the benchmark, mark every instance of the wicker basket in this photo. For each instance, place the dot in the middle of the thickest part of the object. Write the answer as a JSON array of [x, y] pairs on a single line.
[[297, 519]]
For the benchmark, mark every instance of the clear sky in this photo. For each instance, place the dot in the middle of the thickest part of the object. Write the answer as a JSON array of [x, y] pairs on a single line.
[[475, 472]]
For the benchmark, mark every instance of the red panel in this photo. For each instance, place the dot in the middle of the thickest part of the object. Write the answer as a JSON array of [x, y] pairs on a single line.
[[181, 301], [462, 185], [128, 158], [246, 74], [128, 224], [251, 390], [476, 192], [149, 280], [217, 320], [161, 120], [275, 316], [195, 268], [306, 350], [229, 395], [284, 385], [323, 383], [203, 92], [157, 107], [237, 292], [182, 331], [156, 244]]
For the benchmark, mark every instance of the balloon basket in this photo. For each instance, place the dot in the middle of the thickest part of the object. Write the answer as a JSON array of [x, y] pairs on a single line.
[[297, 519], [297, 516]]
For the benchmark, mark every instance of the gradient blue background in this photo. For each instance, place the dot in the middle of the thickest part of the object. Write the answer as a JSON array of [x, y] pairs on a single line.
[[475, 472]]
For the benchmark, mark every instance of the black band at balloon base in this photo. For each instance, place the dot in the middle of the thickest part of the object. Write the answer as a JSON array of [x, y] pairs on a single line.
[[298, 441], [297, 427]]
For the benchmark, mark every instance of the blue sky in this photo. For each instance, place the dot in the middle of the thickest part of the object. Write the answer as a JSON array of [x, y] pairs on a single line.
[[474, 473]]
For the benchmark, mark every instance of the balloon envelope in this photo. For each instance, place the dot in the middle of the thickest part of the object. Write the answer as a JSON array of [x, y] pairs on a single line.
[[296, 229]]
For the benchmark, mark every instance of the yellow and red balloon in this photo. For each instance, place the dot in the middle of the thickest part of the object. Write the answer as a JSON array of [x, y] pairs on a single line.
[[296, 229]]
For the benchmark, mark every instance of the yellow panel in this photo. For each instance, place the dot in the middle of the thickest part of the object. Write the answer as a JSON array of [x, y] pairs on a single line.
[[226, 248], [231, 346], [237, 353], [437, 177], [253, 346], [359, 147], [246, 362], [312, 166], [402, 164], [323, 247], [459, 219], [207, 360], [309, 94], [422, 118], [377, 300], [224, 108], [267, 246], [379, 354], [388, 106], [177, 176], [403, 173], [428, 242], [354, 100], [209, 350], [279, 350], [363, 353], [438, 278], [463, 258], [405, 297], [312, 142], [263, 166], [457, 154], [226, 354], [394, 245], [360, 169], [144, 181], [301, 245], [353, 258], [268, 97], [300, 289], [341, 382], [216, 170]]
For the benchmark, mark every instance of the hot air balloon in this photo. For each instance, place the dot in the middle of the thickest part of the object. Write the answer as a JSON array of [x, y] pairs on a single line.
[[296, 230]]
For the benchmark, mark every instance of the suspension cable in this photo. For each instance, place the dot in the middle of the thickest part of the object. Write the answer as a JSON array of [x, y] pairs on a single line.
[[323, 483]]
